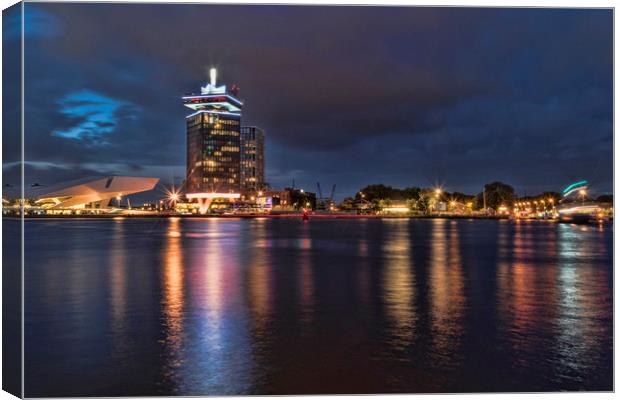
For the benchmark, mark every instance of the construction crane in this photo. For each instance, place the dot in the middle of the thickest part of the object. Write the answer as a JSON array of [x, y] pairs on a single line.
[[320, 203], [325, 203]]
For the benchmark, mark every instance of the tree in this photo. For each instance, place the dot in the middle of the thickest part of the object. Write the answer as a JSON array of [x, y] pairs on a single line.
[[461, 197], [411, 193], [605, 198], [377, 205], [348, 203], [478, 202], [424, 203], [496, 194], [412, 204], [376, 192]]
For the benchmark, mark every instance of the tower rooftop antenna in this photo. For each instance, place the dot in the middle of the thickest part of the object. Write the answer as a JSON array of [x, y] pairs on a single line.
[[213, 75]]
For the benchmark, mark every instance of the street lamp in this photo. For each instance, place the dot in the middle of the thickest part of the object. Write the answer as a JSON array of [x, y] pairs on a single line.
[[583, 193]]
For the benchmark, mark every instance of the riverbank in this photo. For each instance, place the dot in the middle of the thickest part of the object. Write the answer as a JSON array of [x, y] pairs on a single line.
[[255, 216]]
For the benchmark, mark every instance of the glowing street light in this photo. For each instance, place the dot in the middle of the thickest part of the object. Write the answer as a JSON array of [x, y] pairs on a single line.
[[172, 196], [583, 193]]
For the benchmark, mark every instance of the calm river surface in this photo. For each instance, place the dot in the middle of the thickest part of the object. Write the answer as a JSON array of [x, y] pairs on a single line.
[[276, 306]]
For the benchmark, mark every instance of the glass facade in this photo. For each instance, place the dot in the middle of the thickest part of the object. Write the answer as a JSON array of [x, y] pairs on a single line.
[[252, 158], [213, 153]]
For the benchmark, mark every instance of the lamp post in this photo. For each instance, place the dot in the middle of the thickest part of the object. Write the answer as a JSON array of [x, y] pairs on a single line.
[[552, 202], [583, 193], [437, 197]]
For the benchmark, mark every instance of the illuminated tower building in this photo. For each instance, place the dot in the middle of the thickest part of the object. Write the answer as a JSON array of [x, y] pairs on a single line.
[[252, 158], [213, 144]]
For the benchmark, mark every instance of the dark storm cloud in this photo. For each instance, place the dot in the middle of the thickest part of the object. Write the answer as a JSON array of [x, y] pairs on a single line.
[[347, 95]]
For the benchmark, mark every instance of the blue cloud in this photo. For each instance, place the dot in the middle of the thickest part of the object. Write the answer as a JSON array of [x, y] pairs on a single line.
[[93, 115], [37, 23]]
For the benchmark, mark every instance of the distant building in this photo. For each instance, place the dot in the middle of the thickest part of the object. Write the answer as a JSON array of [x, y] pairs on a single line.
[[252, 158], [213, 144], [287, 199]]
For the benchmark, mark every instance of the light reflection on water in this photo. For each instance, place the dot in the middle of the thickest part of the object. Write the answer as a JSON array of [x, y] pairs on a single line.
[[148, 307], [447, 297], [173, 301], [399, 283]]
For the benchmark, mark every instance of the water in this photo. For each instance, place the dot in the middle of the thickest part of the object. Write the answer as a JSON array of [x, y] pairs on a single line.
[[275, 306]]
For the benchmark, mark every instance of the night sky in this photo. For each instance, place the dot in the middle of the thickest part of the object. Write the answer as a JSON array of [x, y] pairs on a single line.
[[347, 95]]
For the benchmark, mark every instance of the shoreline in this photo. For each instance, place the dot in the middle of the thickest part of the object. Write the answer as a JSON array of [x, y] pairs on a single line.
[[263, 216]]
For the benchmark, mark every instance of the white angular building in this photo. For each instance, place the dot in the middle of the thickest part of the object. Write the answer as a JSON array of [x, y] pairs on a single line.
[[89, 192]]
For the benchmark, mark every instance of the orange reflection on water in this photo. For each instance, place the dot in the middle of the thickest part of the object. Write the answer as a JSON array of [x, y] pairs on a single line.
[[527, 288], [259, 279], [447, 298], [305, 280], [213, 285], [516, 285], [173, 278], [399, 282]]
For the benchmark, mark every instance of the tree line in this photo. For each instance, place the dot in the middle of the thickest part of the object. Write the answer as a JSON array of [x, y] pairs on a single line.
[[495, 195]]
